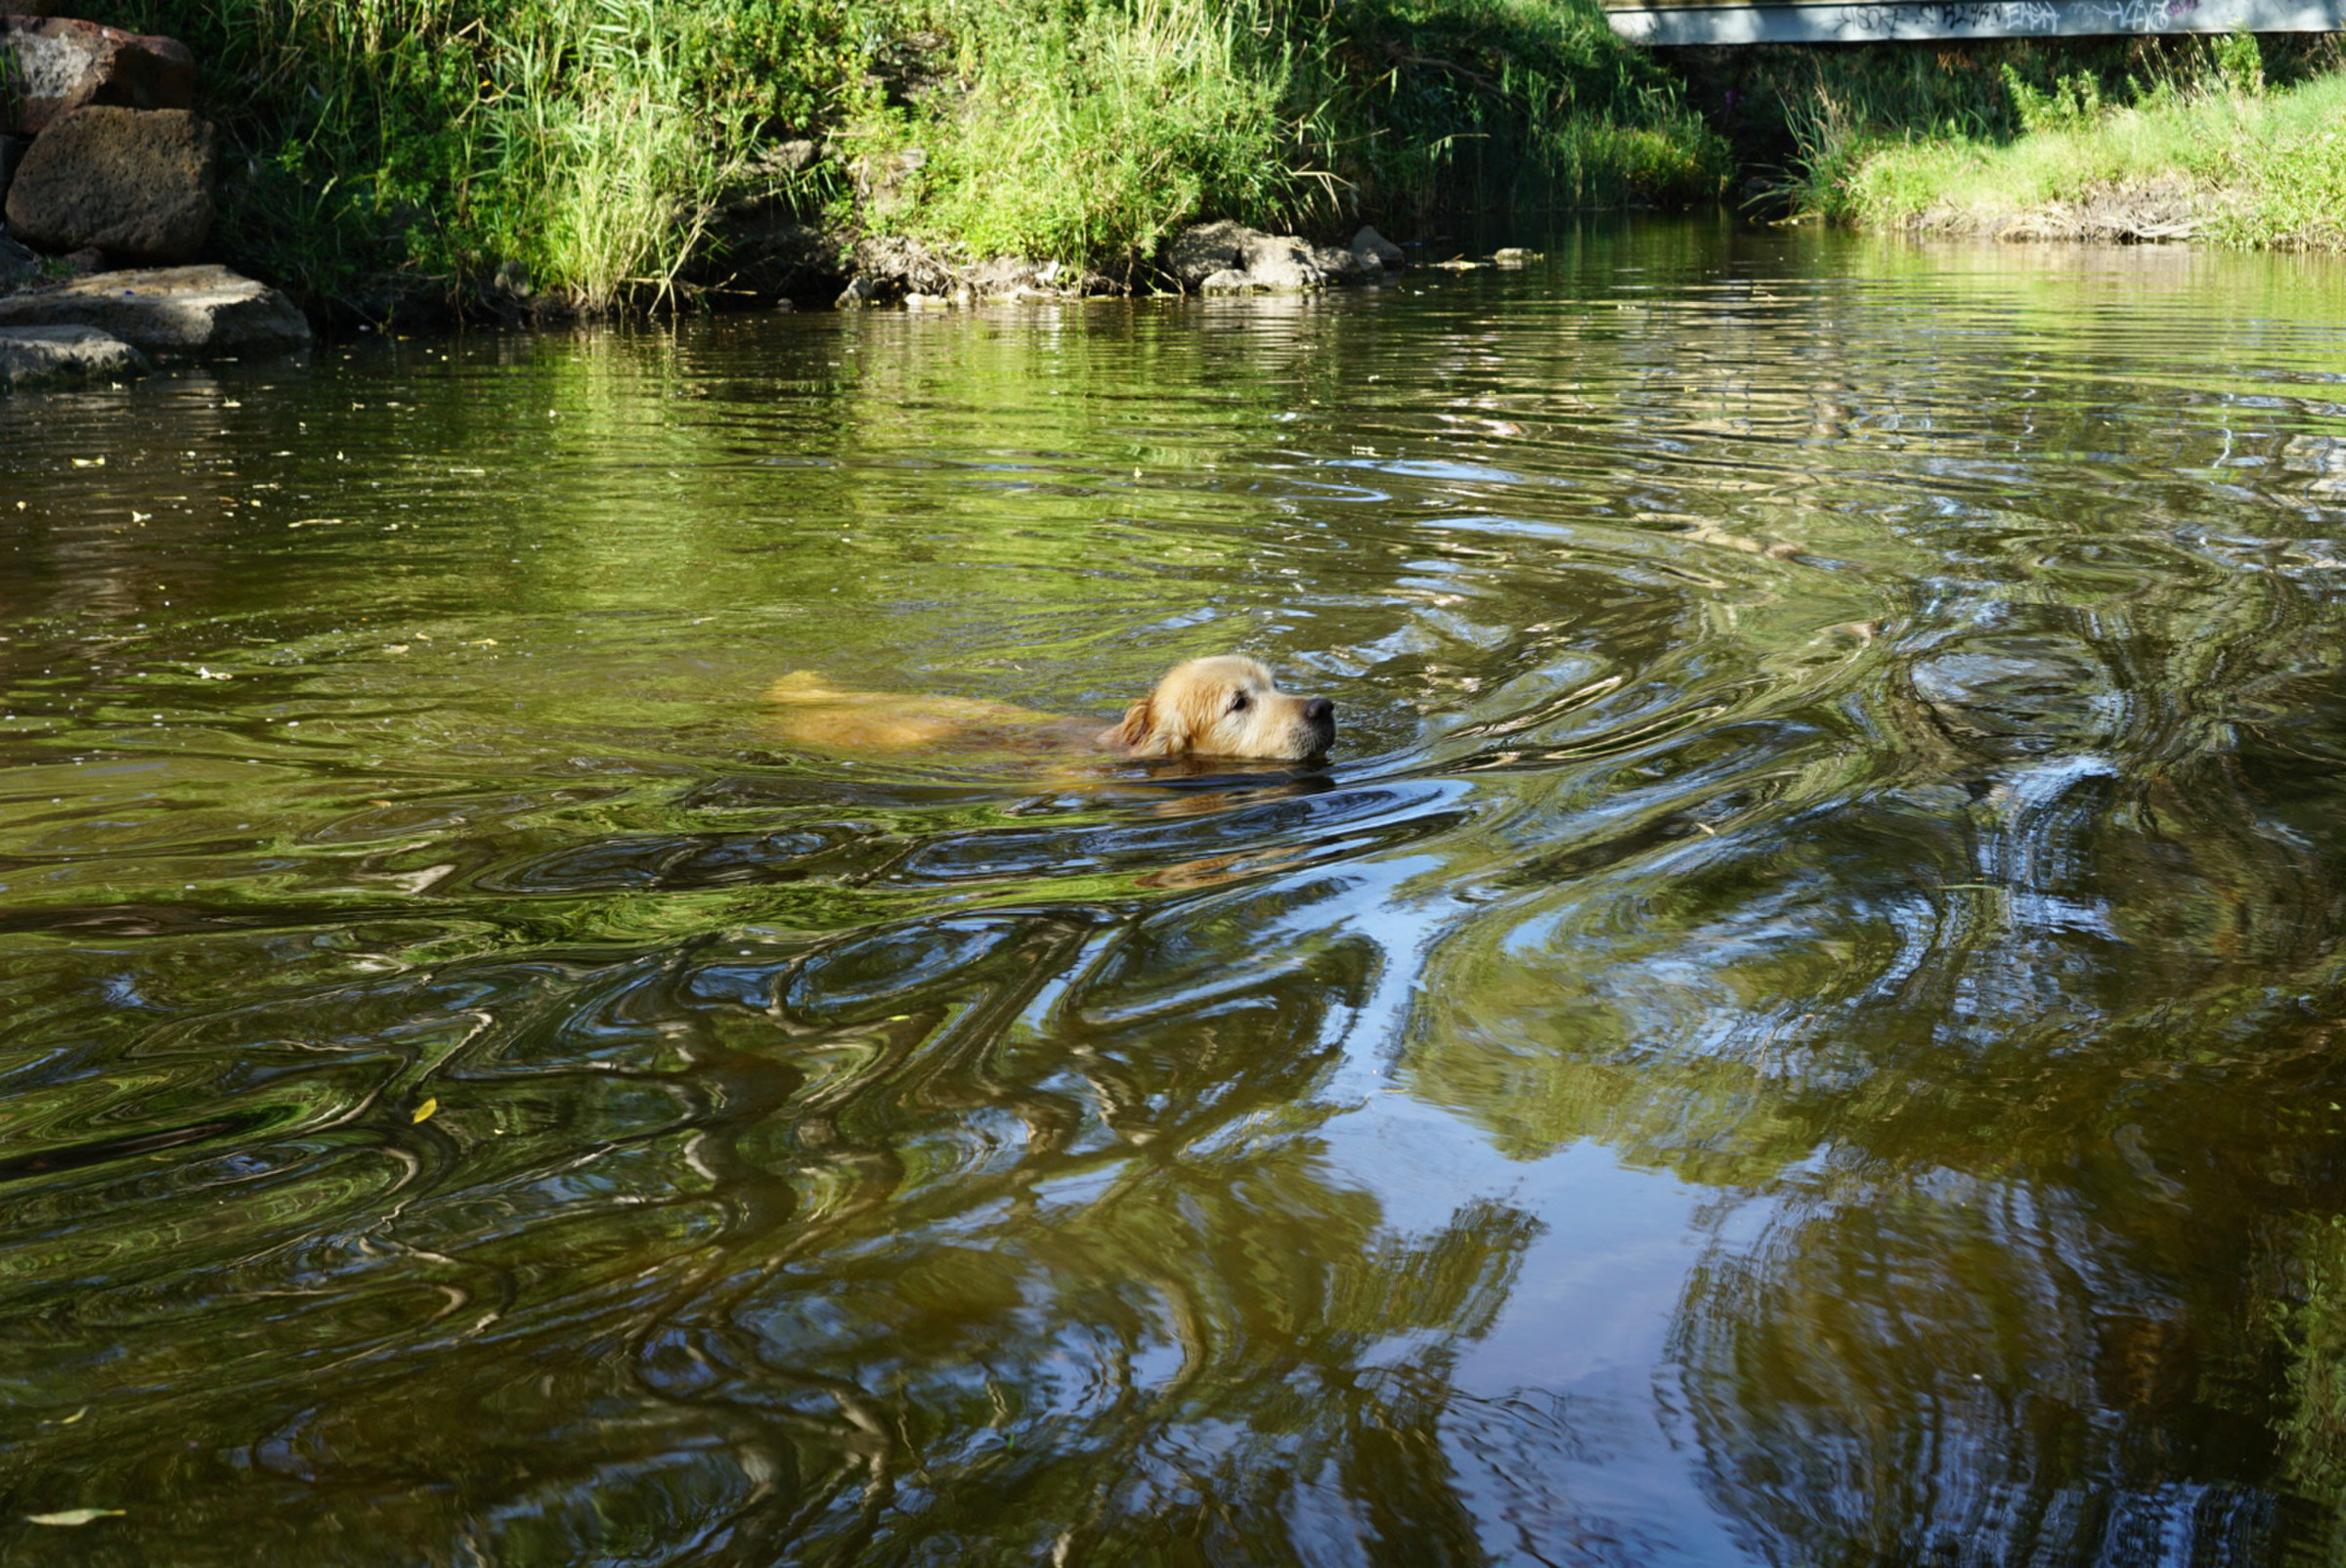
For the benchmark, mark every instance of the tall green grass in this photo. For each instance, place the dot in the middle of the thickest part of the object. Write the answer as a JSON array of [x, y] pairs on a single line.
[[1085, 133], [388, 145], [2259, 168], [2242, 130], [1496, 103], [583, 143], [1089, 129]]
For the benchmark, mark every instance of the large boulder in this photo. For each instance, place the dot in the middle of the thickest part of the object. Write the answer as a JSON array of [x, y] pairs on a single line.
[[134, 183], [1230, 258], [169, 311], [55, 65], [31, 355]]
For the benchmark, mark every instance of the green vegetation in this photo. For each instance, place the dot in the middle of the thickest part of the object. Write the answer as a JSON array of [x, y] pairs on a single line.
[[588, 146], [2232, 137], [395, 151], [2254, 170], [435, 143], [2312, 1427]]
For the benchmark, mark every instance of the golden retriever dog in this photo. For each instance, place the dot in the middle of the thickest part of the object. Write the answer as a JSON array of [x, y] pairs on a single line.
[[1225, 705]]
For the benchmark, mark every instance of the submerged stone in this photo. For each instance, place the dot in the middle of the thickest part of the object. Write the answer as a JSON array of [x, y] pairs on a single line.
[[169, 311], [1226, 257], [32, 355], [1375, 249]]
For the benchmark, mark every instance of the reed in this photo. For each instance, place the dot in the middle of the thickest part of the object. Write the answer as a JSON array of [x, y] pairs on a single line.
[[1086, 134], [590, 144]]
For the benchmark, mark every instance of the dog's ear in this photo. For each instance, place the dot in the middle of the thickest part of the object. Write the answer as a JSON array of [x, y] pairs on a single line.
[[1148, 731], [1131, 731]]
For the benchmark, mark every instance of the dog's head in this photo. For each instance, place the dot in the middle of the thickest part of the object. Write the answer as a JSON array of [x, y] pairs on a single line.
[[1225, 706]]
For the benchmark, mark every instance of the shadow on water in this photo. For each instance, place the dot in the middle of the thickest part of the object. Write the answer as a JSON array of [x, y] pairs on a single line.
[[1795, 1028]]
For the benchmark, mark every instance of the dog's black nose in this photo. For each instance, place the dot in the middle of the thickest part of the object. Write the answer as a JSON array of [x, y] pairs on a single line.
[[1318, 709]]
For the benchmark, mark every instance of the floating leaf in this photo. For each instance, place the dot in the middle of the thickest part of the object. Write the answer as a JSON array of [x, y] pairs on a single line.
[[75, 1515], [425, 1109], [89, 463]]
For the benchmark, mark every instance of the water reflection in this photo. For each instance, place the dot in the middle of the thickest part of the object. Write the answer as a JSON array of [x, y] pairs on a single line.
[[1793, 1028]]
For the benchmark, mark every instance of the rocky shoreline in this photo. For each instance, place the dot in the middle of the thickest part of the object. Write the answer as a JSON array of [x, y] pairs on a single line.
[[110, 187], [107, 185], [783, 262]]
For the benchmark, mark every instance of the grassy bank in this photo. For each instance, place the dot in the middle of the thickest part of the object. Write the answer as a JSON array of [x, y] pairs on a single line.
[[2244, 167], [589, 147], [2232, 138]]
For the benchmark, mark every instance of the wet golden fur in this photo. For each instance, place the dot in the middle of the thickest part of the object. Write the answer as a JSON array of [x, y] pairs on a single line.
[[1225, 705]]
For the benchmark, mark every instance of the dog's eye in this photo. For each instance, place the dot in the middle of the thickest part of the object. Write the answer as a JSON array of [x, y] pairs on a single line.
[[1237, 702]]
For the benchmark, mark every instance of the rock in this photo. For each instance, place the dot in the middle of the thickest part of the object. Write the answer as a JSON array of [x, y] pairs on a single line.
[[163, 311], [12, 152], [1375, 250], [1513, 256], [1018, 278], [59, 65], [30, 355], [1225, 258], [897, 266], [1204, 249], [135, 183], [1284, 264], [764, 257], [18, 265]]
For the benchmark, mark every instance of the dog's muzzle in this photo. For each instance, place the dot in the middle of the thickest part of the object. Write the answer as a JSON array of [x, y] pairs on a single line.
[[1321, 715]]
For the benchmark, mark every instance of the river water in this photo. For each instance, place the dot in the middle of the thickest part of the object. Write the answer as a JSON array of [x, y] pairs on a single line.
[[1798, 1025]]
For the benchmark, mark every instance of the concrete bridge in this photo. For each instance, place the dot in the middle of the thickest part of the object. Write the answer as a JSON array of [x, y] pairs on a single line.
[[1851, 22]]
